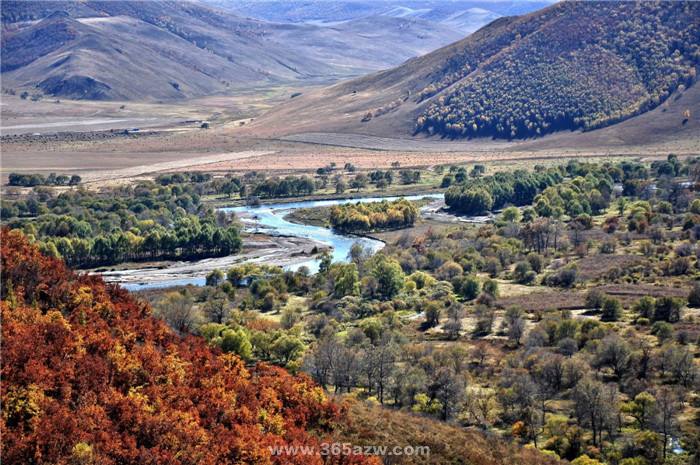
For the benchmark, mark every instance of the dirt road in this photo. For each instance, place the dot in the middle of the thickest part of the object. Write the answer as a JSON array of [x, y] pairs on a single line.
[[140, 170]]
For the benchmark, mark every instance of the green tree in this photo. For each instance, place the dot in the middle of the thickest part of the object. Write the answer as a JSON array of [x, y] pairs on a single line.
[[346, 279], [215, 278], [491, 287], [238, 342], [325, 262], [668, 309], [424, 404], [585, 460], [641, 408], [645, 306], [694, 296], [662, 330], [511, 215], [611, 309], [523, 273], [432, 314], [389, 275], [467, 286], [477, 201], [286, 349], [595, 298]]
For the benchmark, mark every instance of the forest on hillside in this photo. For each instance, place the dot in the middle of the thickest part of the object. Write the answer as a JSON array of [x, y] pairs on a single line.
[[576, 65], [90, 377]]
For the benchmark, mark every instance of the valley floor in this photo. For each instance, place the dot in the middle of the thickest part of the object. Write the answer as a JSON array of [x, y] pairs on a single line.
[[123, 158], [89, 139]]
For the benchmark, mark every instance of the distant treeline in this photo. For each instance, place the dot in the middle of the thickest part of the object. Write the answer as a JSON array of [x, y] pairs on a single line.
[[479, 195], [288, 186], [179, 178], [31, 180], [572, 189], [364, 217], [143, 222], [253, 185], [193, 241]]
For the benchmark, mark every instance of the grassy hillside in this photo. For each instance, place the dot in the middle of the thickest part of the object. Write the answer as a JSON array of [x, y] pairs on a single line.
[[168, 50], [448, 444]]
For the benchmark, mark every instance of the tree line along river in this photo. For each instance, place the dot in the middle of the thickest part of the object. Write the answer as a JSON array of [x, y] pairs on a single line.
[[268, 219]]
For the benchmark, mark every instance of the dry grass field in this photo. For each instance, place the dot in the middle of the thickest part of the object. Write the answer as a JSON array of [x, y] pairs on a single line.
[[191, 148], [88, 138], [373, 425], [628, 294]]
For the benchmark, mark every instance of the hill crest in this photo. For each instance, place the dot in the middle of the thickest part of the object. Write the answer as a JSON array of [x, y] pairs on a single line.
[[122, 50], [574, 65]]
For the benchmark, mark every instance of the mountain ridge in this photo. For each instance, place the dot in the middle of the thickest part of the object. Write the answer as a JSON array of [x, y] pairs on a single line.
[[520, 77], [464, 15], [173, 50]]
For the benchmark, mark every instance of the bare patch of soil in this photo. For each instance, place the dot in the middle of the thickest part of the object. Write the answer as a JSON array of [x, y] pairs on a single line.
[[598, 266], [575, 299], [547, 300]]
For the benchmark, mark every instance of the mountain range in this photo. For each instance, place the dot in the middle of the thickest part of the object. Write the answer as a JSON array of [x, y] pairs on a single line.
[[568, 66], [465, 16], [125, 50], [571, 66]]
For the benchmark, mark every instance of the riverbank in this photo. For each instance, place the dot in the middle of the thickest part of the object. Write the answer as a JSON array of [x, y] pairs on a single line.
[[257, 248], [320, 216], [401, 191], [268, 238]]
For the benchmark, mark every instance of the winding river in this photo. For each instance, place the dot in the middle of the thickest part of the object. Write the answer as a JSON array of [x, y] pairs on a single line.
[[268, 219]]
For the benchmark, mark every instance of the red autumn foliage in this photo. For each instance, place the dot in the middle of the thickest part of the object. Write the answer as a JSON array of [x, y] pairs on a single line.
[[89, 377]]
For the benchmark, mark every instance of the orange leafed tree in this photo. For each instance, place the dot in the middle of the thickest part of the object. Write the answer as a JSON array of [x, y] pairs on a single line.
[[90, 377]]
